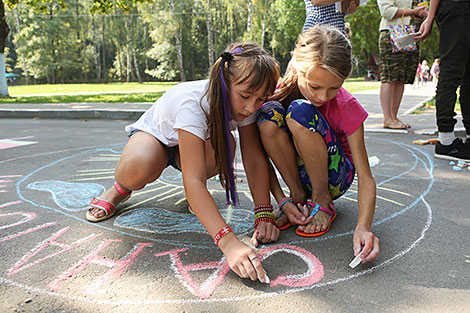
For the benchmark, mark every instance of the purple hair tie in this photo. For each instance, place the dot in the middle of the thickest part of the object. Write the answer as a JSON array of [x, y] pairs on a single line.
[[231, 193]]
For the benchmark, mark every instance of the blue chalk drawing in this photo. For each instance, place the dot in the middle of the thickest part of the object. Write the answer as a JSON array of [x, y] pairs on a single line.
[[72, 197], [160, 221]]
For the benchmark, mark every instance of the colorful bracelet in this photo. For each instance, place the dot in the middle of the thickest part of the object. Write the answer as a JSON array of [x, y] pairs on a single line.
[[264, 214], [265, 219], [284, 201], [224, 231], [263, 206]]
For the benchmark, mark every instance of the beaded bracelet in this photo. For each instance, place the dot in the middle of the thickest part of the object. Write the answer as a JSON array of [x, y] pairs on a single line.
[[224, 231], [284, 201], [264, 206], [264, 213], [265, 219], [262, 210]]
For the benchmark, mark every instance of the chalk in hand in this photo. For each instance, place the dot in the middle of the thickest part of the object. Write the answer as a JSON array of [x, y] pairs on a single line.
[[357, 260], [266, 278]]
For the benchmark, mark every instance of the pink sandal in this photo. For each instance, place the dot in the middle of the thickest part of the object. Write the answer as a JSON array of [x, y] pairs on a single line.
[[108, 207]]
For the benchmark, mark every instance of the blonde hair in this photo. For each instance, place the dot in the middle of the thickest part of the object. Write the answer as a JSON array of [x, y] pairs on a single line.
[[250, 64], [321, 46]]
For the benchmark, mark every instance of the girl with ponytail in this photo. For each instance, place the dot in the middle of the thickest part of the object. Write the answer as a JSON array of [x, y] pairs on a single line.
[[190, 128]]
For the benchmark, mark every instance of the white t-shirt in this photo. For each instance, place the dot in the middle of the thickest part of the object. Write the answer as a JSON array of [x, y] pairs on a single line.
[[180, 107]]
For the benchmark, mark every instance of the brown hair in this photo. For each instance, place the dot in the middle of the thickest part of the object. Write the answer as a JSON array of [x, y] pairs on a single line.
[[253, 65], [320, 46]]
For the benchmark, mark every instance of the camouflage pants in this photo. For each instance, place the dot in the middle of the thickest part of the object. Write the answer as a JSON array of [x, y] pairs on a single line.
[[396, 67]]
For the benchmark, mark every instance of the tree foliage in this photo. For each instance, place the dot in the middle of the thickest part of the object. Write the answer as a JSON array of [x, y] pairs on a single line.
[[135, 40]]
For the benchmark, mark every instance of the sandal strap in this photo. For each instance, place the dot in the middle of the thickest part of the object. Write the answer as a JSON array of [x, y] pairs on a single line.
[[317, 207], [284, 202], [106, 206], [120, 190]]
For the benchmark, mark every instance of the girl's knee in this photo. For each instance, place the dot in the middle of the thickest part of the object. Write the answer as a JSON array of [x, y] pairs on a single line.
[[138, 169], [269, 129]]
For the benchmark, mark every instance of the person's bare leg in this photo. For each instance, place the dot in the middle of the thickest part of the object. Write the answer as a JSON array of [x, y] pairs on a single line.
[[142, 161], [386, 93], [397, 96], [280, 149], [312, 149]]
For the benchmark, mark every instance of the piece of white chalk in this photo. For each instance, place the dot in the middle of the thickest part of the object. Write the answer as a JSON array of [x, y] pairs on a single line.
[[357, 260], [266, 278]]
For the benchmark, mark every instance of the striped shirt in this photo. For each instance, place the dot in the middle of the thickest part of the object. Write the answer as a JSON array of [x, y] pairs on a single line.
[[325, 14]]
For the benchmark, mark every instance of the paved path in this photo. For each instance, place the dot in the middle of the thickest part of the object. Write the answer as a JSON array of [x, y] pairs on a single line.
[[423, 123], [155, 257]]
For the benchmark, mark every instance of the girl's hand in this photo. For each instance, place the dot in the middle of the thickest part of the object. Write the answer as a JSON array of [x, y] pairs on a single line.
[[367, 242], [296, 214], [265, 232], [242, 259]]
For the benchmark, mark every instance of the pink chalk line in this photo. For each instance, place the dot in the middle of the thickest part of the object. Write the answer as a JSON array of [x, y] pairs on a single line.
[[51, 241], [27, 218], [118, 266]]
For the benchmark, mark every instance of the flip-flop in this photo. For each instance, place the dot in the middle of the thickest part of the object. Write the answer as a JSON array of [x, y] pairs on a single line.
[[108, 207], [316, 208], [286, 225], [395, 126]]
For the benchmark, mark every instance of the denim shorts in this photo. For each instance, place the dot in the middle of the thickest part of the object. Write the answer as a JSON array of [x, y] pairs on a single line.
[[170, 150]]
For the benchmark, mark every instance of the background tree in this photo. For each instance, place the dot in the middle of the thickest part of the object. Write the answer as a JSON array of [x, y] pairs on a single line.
[[66, 41]]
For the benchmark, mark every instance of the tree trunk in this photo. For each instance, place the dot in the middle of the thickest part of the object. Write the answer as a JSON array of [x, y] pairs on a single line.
[[210, 42], [25, 68], [128, 56], [4, 30], [52, 48], [96, 54], [121, 74], [137, 72], [179, 53], [249, 23], [103, 46], [78, 40], [263, 31]]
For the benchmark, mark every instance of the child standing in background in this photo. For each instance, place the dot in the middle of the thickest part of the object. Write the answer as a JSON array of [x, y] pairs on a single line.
[[313, 132], [189, 128]]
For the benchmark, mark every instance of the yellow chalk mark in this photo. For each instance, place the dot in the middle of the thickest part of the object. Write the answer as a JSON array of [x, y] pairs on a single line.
[[93, 178], [389, 200], [94, 171], [395, 191], [99, 159], [95, 174], [154, 197]]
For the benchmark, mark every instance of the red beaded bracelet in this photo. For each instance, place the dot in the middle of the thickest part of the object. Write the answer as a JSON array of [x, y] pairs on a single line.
[[265, 219], [224, 231], [263, 206]]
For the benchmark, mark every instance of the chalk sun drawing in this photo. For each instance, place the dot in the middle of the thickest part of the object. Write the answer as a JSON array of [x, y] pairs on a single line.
[[389, 195]]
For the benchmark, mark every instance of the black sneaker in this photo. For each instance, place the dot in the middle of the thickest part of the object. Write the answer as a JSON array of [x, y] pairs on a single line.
[[457, 151]]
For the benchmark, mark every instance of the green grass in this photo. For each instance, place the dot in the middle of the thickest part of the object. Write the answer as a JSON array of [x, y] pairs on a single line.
[[107, 98], [432, 104], [118, 92], [16, 91], [356, 86]]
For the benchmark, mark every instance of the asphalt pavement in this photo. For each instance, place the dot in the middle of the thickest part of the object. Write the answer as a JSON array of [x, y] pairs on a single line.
[[154, 256]]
